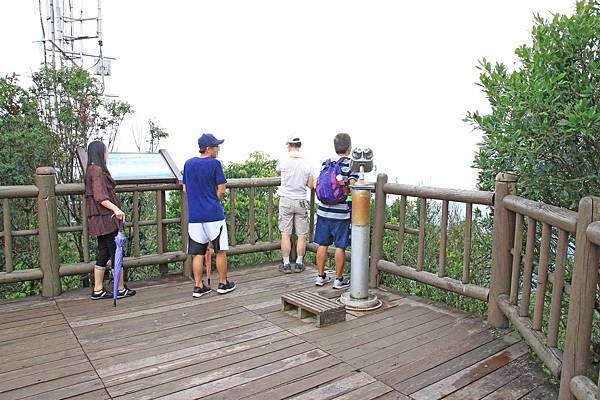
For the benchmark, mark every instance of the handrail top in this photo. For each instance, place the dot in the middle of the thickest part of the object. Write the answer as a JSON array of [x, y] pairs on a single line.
[[437, 193], [562, 218], [593, 232]]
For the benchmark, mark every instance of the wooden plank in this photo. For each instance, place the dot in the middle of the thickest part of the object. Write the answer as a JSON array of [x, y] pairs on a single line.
[[361, 348], [173, 337], [558, 285], [401, 231], [204, 385], [467, 242], [251, 216], [41, 376], [134, 380], [427, 345], [393, 395], [364, 326], [476, 371], [408, 328], [519, 387], [207, 370], [442, 371], [545, 391], [337, 388], [491, 382], [368, 392], [160, 354], [51, 367], [8, 248], [35, 359], [270, 212], [88, 377], [542, 277], [317, 377], [421, 247], [443, 239], [232, 214], [84, 390], [278, 379], [516, 264], [401, 371], [529, 250]]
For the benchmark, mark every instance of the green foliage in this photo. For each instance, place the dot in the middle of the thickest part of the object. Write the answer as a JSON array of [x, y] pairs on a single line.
[[480, 256], [24, 139], [545, 120]]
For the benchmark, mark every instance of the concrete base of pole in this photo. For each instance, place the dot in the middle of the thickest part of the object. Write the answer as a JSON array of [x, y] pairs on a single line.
[[367, 304]]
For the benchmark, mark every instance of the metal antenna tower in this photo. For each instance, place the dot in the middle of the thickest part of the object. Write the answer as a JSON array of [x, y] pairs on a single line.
[[72, 36]]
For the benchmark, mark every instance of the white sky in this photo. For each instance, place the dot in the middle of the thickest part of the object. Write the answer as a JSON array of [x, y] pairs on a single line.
[[398, 76]]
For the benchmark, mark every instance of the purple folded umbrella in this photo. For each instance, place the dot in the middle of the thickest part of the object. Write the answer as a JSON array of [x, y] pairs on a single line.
[[118, 267]]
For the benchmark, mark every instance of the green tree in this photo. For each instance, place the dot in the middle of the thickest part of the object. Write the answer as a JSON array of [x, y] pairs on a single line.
[[545, 121]]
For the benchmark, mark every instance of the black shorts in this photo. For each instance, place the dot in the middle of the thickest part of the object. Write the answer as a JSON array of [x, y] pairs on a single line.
[[106, 249], [195, 248]]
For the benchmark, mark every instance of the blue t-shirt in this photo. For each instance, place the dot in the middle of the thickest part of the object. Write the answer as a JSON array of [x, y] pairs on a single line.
[[201, 177]]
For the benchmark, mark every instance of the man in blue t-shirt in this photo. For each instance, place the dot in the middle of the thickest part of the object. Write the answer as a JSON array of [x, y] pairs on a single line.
[[333, 220], [204, 184]]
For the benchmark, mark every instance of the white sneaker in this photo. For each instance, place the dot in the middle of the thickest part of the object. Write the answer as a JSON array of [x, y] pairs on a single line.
[[320, 281], [341, 283]]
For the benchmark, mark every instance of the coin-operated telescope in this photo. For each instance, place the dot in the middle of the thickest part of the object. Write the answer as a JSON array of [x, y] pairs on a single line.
[[358, 298]]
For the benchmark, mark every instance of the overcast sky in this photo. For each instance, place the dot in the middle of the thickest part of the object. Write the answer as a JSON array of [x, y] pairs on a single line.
[[398, 76]]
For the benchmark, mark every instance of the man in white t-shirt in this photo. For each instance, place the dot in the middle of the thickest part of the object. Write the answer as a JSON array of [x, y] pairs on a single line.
[[296, 176]]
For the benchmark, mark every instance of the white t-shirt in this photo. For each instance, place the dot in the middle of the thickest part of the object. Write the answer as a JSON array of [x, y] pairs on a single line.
[[295, 172]]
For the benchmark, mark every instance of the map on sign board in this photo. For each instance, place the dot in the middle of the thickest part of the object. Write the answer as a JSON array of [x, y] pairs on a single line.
[[139, 167]]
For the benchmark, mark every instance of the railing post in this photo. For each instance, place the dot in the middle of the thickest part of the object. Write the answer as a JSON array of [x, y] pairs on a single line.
[[187, 264], [583, 296], [378, 229], [48, 236], [504, 223]]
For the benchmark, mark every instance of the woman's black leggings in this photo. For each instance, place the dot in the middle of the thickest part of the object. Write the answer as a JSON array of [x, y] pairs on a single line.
[[106, 249]]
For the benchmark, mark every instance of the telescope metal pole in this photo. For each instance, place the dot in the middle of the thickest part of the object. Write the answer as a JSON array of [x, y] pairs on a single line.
[[358, 298]]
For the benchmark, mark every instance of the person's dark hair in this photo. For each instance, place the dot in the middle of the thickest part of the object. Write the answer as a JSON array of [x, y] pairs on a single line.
[[203, 150], [342, 143], [95, 153], [295, 145]]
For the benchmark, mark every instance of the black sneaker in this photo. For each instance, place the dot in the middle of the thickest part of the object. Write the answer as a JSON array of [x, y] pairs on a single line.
[[103, 294], [226, 287], [285, 268], [201, 291], [298, 267], [126, 292]]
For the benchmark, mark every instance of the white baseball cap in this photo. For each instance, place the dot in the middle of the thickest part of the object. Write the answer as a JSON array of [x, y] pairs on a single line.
[[293, 139]]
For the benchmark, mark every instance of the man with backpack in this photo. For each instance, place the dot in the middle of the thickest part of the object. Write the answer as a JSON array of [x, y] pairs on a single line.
[[296, 175], [333, 213]]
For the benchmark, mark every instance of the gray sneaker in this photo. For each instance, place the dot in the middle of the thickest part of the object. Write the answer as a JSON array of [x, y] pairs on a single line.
[[298, 267], [320, 281], [286, 268], [341, 283]]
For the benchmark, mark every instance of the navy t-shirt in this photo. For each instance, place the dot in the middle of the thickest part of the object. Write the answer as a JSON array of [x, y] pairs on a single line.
[[201, 177]]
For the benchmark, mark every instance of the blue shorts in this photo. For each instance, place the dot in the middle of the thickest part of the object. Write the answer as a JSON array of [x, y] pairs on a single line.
[[336, 231]]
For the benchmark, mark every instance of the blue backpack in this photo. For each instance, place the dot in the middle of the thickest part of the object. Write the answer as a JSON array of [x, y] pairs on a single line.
[[331, 187]]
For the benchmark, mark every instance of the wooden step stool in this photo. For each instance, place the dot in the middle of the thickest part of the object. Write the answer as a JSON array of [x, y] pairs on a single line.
[[327, 311]]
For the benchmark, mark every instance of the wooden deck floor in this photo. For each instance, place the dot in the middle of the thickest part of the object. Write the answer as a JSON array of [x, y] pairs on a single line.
[[164, 344]]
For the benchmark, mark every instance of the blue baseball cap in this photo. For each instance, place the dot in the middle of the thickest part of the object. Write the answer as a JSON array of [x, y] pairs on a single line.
[[208, 140]]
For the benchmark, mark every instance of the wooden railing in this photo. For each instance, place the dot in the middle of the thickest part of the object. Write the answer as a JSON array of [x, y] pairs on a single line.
[[417, 272], [574, 380], [531, 248], [45, 191], [516, 245]]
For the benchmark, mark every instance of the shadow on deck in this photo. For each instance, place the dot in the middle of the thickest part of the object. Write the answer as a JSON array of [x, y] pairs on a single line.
[[164, 344]]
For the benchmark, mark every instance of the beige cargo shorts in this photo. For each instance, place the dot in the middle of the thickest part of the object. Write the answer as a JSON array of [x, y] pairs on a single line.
[[292, 213]]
